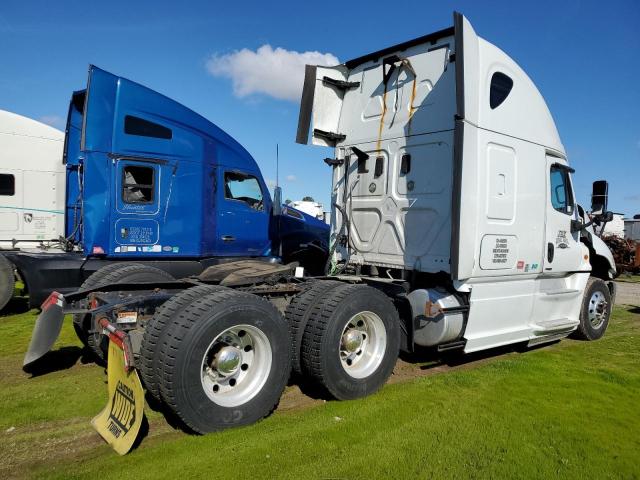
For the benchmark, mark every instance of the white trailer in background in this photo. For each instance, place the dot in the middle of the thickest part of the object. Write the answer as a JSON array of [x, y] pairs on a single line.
[[615, 227], [32, 189]]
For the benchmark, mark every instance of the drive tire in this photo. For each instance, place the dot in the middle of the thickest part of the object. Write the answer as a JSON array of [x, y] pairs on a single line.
[[595, 311], [194, 333], [299, 311], [80, 320], [322, 342], [109, 274], [7, 281], [152, 339]]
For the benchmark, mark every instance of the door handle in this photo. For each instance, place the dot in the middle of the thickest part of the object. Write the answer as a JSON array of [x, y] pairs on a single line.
[[228, 238], [550, 252]]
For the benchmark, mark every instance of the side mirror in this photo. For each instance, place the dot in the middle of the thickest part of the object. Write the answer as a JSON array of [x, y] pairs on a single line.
[[599, 196], [607, 216], [277, 201]]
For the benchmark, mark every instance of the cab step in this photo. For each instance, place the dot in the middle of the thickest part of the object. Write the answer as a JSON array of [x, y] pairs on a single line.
[[547, 338], [566, 291], [552, 326], [456, 345]]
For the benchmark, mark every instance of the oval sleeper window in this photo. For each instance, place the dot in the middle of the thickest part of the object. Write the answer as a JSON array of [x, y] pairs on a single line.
[[501, 85]]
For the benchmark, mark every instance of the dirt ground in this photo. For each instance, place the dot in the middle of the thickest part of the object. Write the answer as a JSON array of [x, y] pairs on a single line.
[[628, 293]]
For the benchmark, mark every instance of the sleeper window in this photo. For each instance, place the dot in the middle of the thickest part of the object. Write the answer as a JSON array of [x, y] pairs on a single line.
[[7, 184], [137, 184], [501, 86], [145, 128], [561, 197], [243, 187]]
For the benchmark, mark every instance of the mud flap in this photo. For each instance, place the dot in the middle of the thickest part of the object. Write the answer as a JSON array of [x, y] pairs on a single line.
[[46, 330], [120, 421]]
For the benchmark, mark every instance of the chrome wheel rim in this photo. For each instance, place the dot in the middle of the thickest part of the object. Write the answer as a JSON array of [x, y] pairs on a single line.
[[597, 310], [236, 365], [362, 344]]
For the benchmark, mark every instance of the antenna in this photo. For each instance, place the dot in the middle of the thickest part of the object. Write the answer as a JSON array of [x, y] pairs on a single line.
[[277, 166]]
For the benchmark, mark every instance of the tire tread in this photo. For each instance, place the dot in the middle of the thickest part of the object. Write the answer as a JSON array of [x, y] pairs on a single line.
[[584, 331], [104, 276], [7, 281], [173, 341], [315, 332], [154, 332], [298, 313]]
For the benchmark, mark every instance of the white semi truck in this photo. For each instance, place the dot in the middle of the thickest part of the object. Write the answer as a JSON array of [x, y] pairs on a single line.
[[449, 172], [310, 207], [454, 226], [32, 188]]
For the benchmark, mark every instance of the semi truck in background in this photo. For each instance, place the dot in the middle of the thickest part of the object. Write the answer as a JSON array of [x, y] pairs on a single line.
[[149, 180], [31, 191], [310, 207], [454, 227]]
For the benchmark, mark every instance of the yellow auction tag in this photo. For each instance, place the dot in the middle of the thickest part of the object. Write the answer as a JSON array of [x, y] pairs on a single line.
[[121, 419]]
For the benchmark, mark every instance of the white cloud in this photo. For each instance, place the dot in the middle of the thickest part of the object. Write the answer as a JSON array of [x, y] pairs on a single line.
[[53, 120], [278, 73], [291, 178]]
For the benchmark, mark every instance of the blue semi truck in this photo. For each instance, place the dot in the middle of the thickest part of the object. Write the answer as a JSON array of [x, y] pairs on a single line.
[[152, 182]]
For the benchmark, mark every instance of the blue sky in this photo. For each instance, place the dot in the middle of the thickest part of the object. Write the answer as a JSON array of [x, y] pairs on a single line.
[[584, 56]]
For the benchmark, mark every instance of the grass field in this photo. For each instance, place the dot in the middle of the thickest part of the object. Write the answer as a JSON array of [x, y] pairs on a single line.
[[569, 410]]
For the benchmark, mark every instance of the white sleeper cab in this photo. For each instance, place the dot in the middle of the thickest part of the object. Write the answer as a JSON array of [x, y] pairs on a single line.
[[32, 189], [449, 175], [32, 183]]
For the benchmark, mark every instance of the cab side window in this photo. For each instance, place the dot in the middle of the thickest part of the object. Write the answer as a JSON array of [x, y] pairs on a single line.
[[561, 196], [244, 188], [137, 184], [7, 184]]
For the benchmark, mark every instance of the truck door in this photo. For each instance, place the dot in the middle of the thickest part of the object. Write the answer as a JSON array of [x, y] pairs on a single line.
[[242, 226], [137, 201], [562, 252]]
